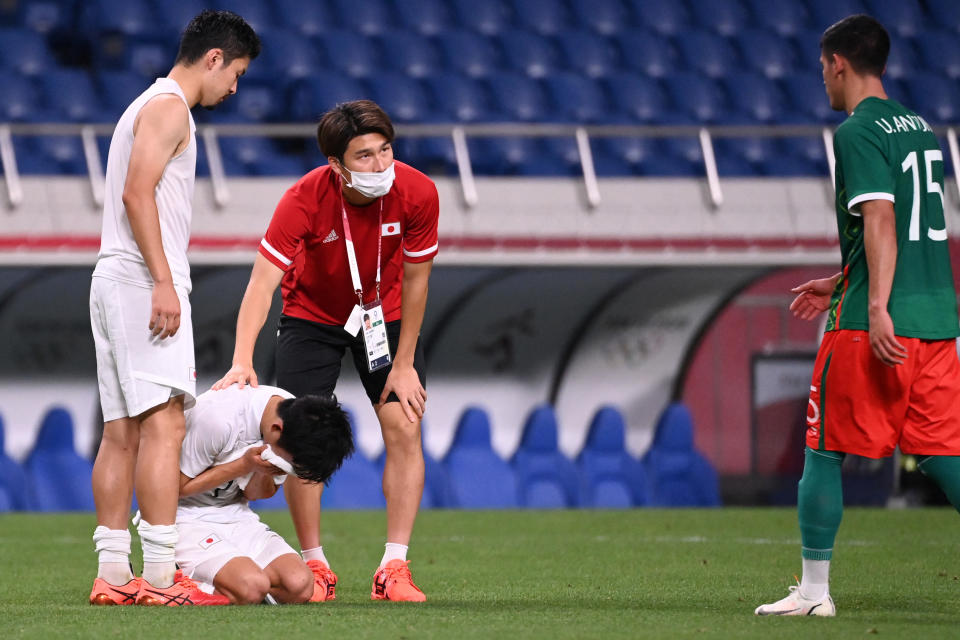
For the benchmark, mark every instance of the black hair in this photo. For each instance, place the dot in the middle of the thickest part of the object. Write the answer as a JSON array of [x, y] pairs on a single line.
[[861, 40], [366, 316], [348, 120], [317, 434], [218, 30]]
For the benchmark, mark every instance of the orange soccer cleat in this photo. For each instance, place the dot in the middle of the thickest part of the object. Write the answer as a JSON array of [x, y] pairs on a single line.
[[104, 593], [324, 582], [183, 592], [394, 582]]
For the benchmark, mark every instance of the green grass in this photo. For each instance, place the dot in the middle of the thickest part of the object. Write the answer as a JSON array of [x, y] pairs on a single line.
[[574, 574]]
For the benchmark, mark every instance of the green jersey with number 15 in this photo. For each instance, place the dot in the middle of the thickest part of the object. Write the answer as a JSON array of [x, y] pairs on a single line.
[[886, 152]]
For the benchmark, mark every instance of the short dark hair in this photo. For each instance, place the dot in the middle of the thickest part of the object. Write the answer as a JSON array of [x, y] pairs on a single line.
[[348, 120], [218, 30], [317, 434], [861, 40]]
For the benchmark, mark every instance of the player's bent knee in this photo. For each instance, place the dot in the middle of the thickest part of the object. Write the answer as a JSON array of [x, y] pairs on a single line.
[[253, 589], [299, 584]]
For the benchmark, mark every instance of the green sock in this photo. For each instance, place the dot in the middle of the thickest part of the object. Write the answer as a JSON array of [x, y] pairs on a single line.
[[820, 503], [945, 471]]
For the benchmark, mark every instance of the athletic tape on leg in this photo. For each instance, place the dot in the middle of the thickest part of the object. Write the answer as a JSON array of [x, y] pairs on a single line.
[[112, 545], [159, 541]]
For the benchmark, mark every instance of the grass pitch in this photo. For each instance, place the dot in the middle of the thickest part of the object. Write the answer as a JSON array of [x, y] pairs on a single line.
[[523, 574]]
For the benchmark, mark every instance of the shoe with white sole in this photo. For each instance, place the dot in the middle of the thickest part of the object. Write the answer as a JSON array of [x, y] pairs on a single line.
[[796, 605]]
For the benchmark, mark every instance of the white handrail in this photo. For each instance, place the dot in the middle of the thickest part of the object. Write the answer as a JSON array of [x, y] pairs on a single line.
[[218, 177], [831, 159], [710, 164], [11, 175], [464, 168], [586, 164], [954, 156], [94, 167]]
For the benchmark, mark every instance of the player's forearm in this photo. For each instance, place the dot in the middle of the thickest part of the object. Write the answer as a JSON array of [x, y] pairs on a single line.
[[213, 477], [413, 304], [250, 320], [145, 224], [261, 486], [880, 245]]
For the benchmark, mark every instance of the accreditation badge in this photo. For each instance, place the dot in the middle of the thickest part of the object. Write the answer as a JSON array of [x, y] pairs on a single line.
[[374, 331]]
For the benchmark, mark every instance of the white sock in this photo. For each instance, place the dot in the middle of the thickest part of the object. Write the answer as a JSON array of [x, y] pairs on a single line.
[[159, 543], [113, 553], [314, 554], [816, 578], [393, 551]]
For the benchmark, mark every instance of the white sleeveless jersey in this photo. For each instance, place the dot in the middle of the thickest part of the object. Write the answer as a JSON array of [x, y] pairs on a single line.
[[120, 257]]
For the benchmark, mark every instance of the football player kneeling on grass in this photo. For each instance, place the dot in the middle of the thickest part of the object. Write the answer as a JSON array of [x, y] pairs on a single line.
[[240, 444]]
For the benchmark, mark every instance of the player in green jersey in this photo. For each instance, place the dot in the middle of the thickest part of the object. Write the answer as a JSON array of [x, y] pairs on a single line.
[[887, 372]]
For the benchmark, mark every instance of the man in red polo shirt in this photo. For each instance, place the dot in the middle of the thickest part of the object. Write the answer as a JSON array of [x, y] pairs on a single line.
[[352, 239]]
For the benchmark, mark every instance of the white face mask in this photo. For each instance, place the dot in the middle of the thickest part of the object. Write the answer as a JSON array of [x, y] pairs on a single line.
[[372, 184]]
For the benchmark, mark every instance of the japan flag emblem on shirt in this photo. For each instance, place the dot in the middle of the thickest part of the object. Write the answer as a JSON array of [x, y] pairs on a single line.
[[209, 541], [390, 229]]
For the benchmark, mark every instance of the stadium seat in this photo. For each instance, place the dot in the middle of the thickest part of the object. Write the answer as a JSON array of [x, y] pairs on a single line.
[[410, 53], [782, 17], [24, 52], [768, 53], [257, 156], [479, 479], [118, 89], [934, 97], [902, 61], [356, 485], [529, 53], [315, 95], [519, 98], [640, 99], [371, 18], [352, 53], [940, 51], [309, 18], [425, 17], [288, 54], [606, 17], [726, 17], [606, 469], [641, 154], [259, 14], [459, 99], [685, 150], [65, 152], [129, 17], [18, 100], [807, 96], [58, 479], [809, 149], [546, 17], [756, 97], [824, 13], [490, 17], [405, 99], [577, 98], [175, 15], [904, 18], [755, 154], [667, 17], [469, 53], [589, 54], [151, 59], [696, 97], [255, 102], [70, 94], [708, 54], [13, 480], [647, 52], [677, 475], [546, 478], [945, 13], [44, 16]]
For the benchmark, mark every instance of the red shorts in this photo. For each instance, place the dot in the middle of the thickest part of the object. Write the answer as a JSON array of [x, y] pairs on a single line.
[[861, 406]]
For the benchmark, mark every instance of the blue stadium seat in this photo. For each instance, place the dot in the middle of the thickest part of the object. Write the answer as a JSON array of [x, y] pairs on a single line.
[[782, 17], [469, 53], [934, 97], [756, 97], [436, 483], [641, 99], [577, 98], [606, 469], [25, 52], [945, 13], [256, 156], [546, 477], [697, 97], [175, 15], [12, 478], [940, 51], [807, 96], [259, 14], [129, 17], [410, 53], [357, 485], [490, 17], [606, 17], [902, 62], [309, 18], [256, 102], [460, 99], [677, 475], [648, 52], [66, 152], [405, 99], [685, 152], [904, 18], [150, 58], [58, 478], [529, 53], [824, 13], [18, 100], [70, 94], [45, 16], [589, 54], [546, 17], [667, 17], [708, 53], [471, 458], [287, 54], [746, 156], [118, 89], [511, 156], [641, 154], [519, 97], [772, 55], [371, 18], [352, 53], [809, 149], [726, 17], [317, 94], [425, 17]]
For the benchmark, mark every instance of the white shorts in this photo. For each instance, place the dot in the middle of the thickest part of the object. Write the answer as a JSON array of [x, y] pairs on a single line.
[[203, 548], [135, 370]]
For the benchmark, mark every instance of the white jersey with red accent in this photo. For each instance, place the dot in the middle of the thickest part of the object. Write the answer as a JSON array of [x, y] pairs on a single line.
[[220, 428], [120, 257]]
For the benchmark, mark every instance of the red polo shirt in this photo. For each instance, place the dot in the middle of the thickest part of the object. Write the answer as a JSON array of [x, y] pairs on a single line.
[[306, 239]]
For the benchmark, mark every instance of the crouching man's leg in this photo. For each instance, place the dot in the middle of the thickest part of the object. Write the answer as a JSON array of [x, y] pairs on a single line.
[[291, 580]]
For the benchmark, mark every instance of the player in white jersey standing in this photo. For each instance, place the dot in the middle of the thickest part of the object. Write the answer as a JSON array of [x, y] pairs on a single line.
[[224, 462], [140, 313]]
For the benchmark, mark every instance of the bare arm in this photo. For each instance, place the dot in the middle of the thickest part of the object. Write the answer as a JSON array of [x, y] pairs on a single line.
[[261, 486], [254, 308], [403, 378], [813, 297], [880, 245], [215, 476], [161, 129]]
